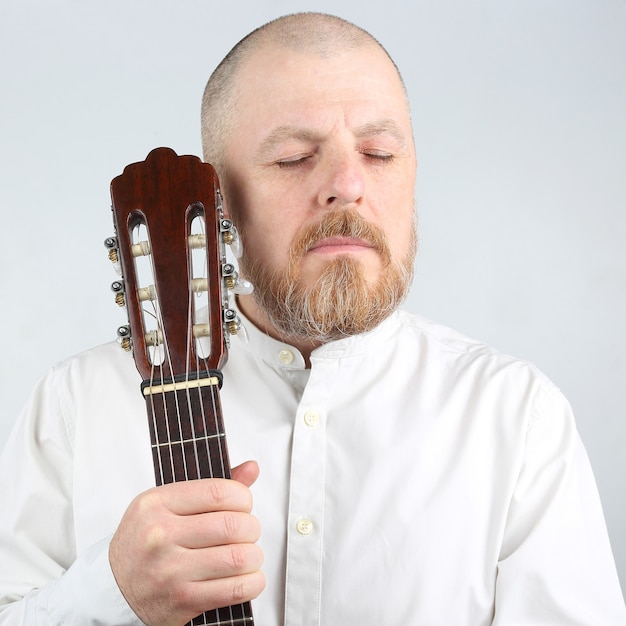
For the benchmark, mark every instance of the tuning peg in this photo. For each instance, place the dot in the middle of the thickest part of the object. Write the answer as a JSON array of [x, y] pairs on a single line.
[[231, 321], [232, 280], [117, 287], [110, 243], [228, 271], [123, 337], [243, 287], [230, 236]]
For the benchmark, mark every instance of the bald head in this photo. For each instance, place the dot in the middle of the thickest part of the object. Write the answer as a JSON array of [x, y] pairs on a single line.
[[314, 34]]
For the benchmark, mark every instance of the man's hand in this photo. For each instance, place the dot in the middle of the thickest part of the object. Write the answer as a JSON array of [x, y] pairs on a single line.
[[189, 547]]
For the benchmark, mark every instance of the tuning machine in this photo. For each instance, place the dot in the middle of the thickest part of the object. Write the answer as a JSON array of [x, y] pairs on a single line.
[[233, 282], [117, 287], [232, 323], [230, 236], [110, 243], [123, 337]]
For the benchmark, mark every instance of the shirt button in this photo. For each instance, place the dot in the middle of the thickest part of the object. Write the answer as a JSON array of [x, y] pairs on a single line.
[[304, 526], [285, 357], [311, 418]]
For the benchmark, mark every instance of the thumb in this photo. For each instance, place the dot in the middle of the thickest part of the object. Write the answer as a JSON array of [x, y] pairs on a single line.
[[246, 473]]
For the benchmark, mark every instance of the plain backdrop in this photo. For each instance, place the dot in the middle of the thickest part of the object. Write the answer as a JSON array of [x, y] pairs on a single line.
[[520, 125]]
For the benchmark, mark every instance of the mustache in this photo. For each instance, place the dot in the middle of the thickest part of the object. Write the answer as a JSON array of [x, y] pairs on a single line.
[[345, 223]]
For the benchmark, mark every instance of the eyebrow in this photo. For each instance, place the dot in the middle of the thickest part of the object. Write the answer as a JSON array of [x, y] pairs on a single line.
[[382, 127], [287, 133], [298, 133]]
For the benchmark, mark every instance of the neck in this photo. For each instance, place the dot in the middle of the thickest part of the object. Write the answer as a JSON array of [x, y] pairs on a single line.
[[249, 307]]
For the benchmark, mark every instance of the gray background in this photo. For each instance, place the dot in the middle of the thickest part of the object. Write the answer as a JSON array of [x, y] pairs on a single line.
[[520, 125]]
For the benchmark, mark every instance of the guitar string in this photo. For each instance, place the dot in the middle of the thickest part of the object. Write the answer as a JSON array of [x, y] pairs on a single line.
[[156, 313], [216, 411], [162, 358], [224, 464], [223, 461], [215, 402], [202, 363], [167, 360], [190, 339], [157, 449]]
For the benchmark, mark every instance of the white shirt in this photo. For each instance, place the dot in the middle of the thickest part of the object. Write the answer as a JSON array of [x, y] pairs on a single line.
[[411, 477]]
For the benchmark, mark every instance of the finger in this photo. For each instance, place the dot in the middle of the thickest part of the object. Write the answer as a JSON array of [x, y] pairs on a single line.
[[246, 473], [195, 598], [219, 562], [204, 496], [216, 529]]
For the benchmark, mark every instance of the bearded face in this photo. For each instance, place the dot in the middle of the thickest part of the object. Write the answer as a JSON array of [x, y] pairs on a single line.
[[323, 139], [341, 302]]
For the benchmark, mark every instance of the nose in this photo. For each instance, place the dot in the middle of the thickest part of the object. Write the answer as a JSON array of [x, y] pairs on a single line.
[[343, 182]]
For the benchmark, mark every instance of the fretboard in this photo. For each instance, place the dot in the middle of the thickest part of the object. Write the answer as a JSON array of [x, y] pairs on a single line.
[[189, 442]]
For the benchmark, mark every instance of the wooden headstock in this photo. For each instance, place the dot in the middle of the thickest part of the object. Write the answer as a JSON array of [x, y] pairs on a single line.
[[156, 205]]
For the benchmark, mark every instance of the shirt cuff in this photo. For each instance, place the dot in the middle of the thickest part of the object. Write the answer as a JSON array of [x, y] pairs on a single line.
[[87, 594]]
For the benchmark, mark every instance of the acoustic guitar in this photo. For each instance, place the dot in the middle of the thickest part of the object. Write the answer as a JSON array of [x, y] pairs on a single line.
[[170, 248]]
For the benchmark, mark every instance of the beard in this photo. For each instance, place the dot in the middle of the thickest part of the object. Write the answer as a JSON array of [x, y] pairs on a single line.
[[341, 302]]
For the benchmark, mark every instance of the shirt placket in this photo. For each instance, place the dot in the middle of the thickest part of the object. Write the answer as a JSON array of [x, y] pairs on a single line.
[[306, 500]]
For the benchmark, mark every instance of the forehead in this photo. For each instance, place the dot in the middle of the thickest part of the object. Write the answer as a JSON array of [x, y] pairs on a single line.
[[278, 84]]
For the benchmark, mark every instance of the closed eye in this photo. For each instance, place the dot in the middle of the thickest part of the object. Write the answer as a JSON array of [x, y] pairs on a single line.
[[299, 160], [294, 161], [378, 155]]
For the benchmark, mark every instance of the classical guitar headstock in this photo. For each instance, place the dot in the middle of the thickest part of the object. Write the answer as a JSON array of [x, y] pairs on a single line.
[[170, 243]]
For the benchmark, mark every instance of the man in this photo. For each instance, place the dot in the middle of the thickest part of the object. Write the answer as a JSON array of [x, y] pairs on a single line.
[[408, 475]]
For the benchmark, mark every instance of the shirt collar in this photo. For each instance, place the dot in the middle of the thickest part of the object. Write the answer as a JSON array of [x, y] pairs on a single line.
[[283, 357]]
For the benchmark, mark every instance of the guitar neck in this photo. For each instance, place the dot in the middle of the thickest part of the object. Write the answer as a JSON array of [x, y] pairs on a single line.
[[187, 429], [189, 442]]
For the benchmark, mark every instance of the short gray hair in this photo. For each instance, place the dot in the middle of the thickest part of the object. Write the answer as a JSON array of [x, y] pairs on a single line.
[[319, 34]]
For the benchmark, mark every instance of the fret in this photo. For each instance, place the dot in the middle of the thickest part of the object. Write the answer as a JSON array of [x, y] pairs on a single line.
[[238, 615], [187, 435], [195, 440], [184, 415], [205, 455], [191, 461]]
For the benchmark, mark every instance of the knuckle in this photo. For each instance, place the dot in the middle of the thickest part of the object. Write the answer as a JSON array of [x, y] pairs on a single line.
[[143, 525], [248, 587], [181, 598], [154, 537], [239, 589], [230, 525], [144, 503], [238, 557], [216, 492]]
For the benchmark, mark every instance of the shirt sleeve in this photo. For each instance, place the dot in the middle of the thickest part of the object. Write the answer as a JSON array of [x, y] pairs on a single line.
[[556, 565], [42, 579]]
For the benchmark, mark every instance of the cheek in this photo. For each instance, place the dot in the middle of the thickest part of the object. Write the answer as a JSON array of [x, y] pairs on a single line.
[[269, 230], [400, 236], [240, 205], [267, 242]]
